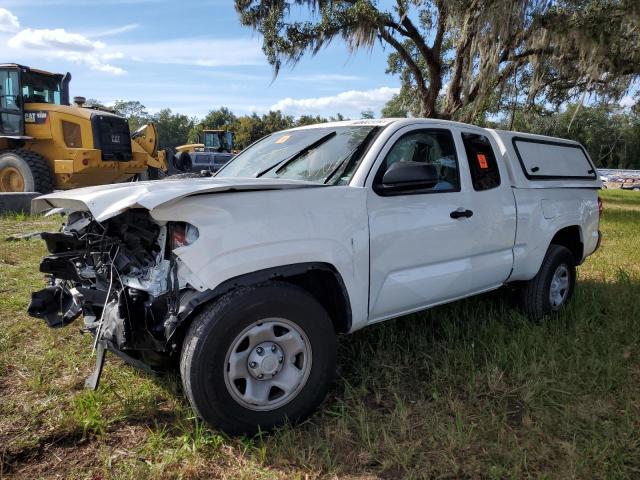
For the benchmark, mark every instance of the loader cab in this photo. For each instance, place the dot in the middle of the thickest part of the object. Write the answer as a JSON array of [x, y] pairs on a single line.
[[20, 86], [217, 141]]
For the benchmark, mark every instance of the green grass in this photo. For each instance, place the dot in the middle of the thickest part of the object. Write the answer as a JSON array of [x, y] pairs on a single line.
[[467, 390]]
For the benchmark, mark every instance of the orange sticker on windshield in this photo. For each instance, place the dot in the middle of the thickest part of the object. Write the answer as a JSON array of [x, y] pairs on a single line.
[[482, 160], [283, 139]]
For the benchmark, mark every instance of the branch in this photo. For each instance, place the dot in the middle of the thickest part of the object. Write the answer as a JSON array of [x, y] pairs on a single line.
[[413, 33], [440, 29], [455, 83], [406, 56]]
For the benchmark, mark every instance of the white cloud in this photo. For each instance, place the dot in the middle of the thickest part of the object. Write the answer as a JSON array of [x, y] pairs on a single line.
[[202, 52], [115, 31], [56, 39], [350, 101], [79, 48], [97, 62], [8, 21], [66, 45]]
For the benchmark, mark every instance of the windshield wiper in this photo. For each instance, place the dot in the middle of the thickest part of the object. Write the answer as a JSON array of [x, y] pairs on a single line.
[[283, 163], [354, 154]]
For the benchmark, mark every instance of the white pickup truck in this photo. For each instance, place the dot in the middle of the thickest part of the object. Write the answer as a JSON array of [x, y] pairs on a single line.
[[245, 278]]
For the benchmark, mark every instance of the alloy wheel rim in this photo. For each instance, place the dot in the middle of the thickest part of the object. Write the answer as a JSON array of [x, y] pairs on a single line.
[[267, 364], [11, 180], [559, 288]]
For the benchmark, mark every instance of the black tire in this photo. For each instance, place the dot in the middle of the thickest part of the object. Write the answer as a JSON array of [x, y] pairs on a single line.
[[182, 162], [151, 173], [35, 170], [535, 294], [215, 329]]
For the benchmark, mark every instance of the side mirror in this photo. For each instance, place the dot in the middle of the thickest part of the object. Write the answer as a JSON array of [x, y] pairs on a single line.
[[409, 175]]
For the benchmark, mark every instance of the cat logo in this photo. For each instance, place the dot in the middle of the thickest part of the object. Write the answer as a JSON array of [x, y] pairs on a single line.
[[37, 118], [115, 138]]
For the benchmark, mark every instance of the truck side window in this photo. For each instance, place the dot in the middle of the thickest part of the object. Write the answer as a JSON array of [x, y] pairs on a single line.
[[431, 146], [482, 161]]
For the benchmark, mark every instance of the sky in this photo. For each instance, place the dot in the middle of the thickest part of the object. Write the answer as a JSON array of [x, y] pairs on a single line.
[[188, 55]]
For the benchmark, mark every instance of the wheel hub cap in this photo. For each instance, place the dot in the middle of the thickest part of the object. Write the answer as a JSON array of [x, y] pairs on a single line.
[[559, 289], [265, 360], [268, 364], [11, 180]]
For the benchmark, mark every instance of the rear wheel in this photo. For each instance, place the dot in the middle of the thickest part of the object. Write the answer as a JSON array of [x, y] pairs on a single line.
[[551, 289], [24, 171], [258, 357]]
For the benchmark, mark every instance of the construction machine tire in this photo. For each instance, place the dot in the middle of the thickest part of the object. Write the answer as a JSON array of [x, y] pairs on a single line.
[[151, 173], [25, 171], [182, 161]]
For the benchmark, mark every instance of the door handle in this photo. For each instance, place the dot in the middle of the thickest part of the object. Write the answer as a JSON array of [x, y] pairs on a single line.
[[461, 214]]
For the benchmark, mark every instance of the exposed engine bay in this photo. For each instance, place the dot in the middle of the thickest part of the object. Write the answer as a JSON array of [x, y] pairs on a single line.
[[123, 277]]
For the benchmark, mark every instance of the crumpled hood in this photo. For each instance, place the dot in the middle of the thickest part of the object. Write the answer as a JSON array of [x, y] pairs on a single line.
[[106, 201]]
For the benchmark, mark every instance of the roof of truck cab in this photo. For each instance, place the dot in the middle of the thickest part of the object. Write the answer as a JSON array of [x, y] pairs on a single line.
[[400, 122], [383, 122]]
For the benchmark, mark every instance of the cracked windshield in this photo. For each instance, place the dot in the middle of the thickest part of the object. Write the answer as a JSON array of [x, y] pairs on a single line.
[[324, 155]]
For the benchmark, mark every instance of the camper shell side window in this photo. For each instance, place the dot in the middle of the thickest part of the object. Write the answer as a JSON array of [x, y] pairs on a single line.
[[548, 160]]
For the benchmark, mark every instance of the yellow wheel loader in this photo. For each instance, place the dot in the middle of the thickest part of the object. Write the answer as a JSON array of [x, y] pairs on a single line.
[[46, 143], [212, 154]]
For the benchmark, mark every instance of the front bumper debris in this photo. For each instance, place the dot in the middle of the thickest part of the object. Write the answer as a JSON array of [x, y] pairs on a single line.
[[55, 305], [122, 277]]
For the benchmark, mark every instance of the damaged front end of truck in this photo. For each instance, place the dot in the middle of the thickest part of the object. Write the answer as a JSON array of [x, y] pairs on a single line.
[[126, 265], [123, 277]]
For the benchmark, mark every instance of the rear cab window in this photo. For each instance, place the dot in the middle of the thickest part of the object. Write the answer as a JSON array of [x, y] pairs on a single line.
[[483, 165]]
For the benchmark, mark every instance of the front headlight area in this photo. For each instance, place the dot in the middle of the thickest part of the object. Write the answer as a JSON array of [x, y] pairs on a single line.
[[181, 234], [122, 274]]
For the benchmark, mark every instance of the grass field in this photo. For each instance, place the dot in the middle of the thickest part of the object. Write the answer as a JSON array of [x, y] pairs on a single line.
[[468, 390]]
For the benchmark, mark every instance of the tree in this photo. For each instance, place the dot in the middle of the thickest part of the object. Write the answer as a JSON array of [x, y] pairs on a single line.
[[400, 105], [367, 114], [133, 111], [222, 119], [173, 128], [459, 57], [93, 103], [310, 120], [248, 129], [275, 121]]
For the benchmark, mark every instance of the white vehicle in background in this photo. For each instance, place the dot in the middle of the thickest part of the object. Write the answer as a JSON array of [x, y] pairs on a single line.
[[245, 278]]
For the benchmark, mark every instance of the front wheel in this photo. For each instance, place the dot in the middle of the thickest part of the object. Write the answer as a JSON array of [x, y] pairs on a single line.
[[25, 171], [258, 357], [551, 289]]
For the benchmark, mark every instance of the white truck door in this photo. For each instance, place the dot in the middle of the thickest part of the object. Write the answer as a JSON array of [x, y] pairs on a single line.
[[494, 211], [433, 245], [419, 254]]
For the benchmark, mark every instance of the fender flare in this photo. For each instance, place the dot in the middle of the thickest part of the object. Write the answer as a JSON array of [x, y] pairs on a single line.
[[193, 299]]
